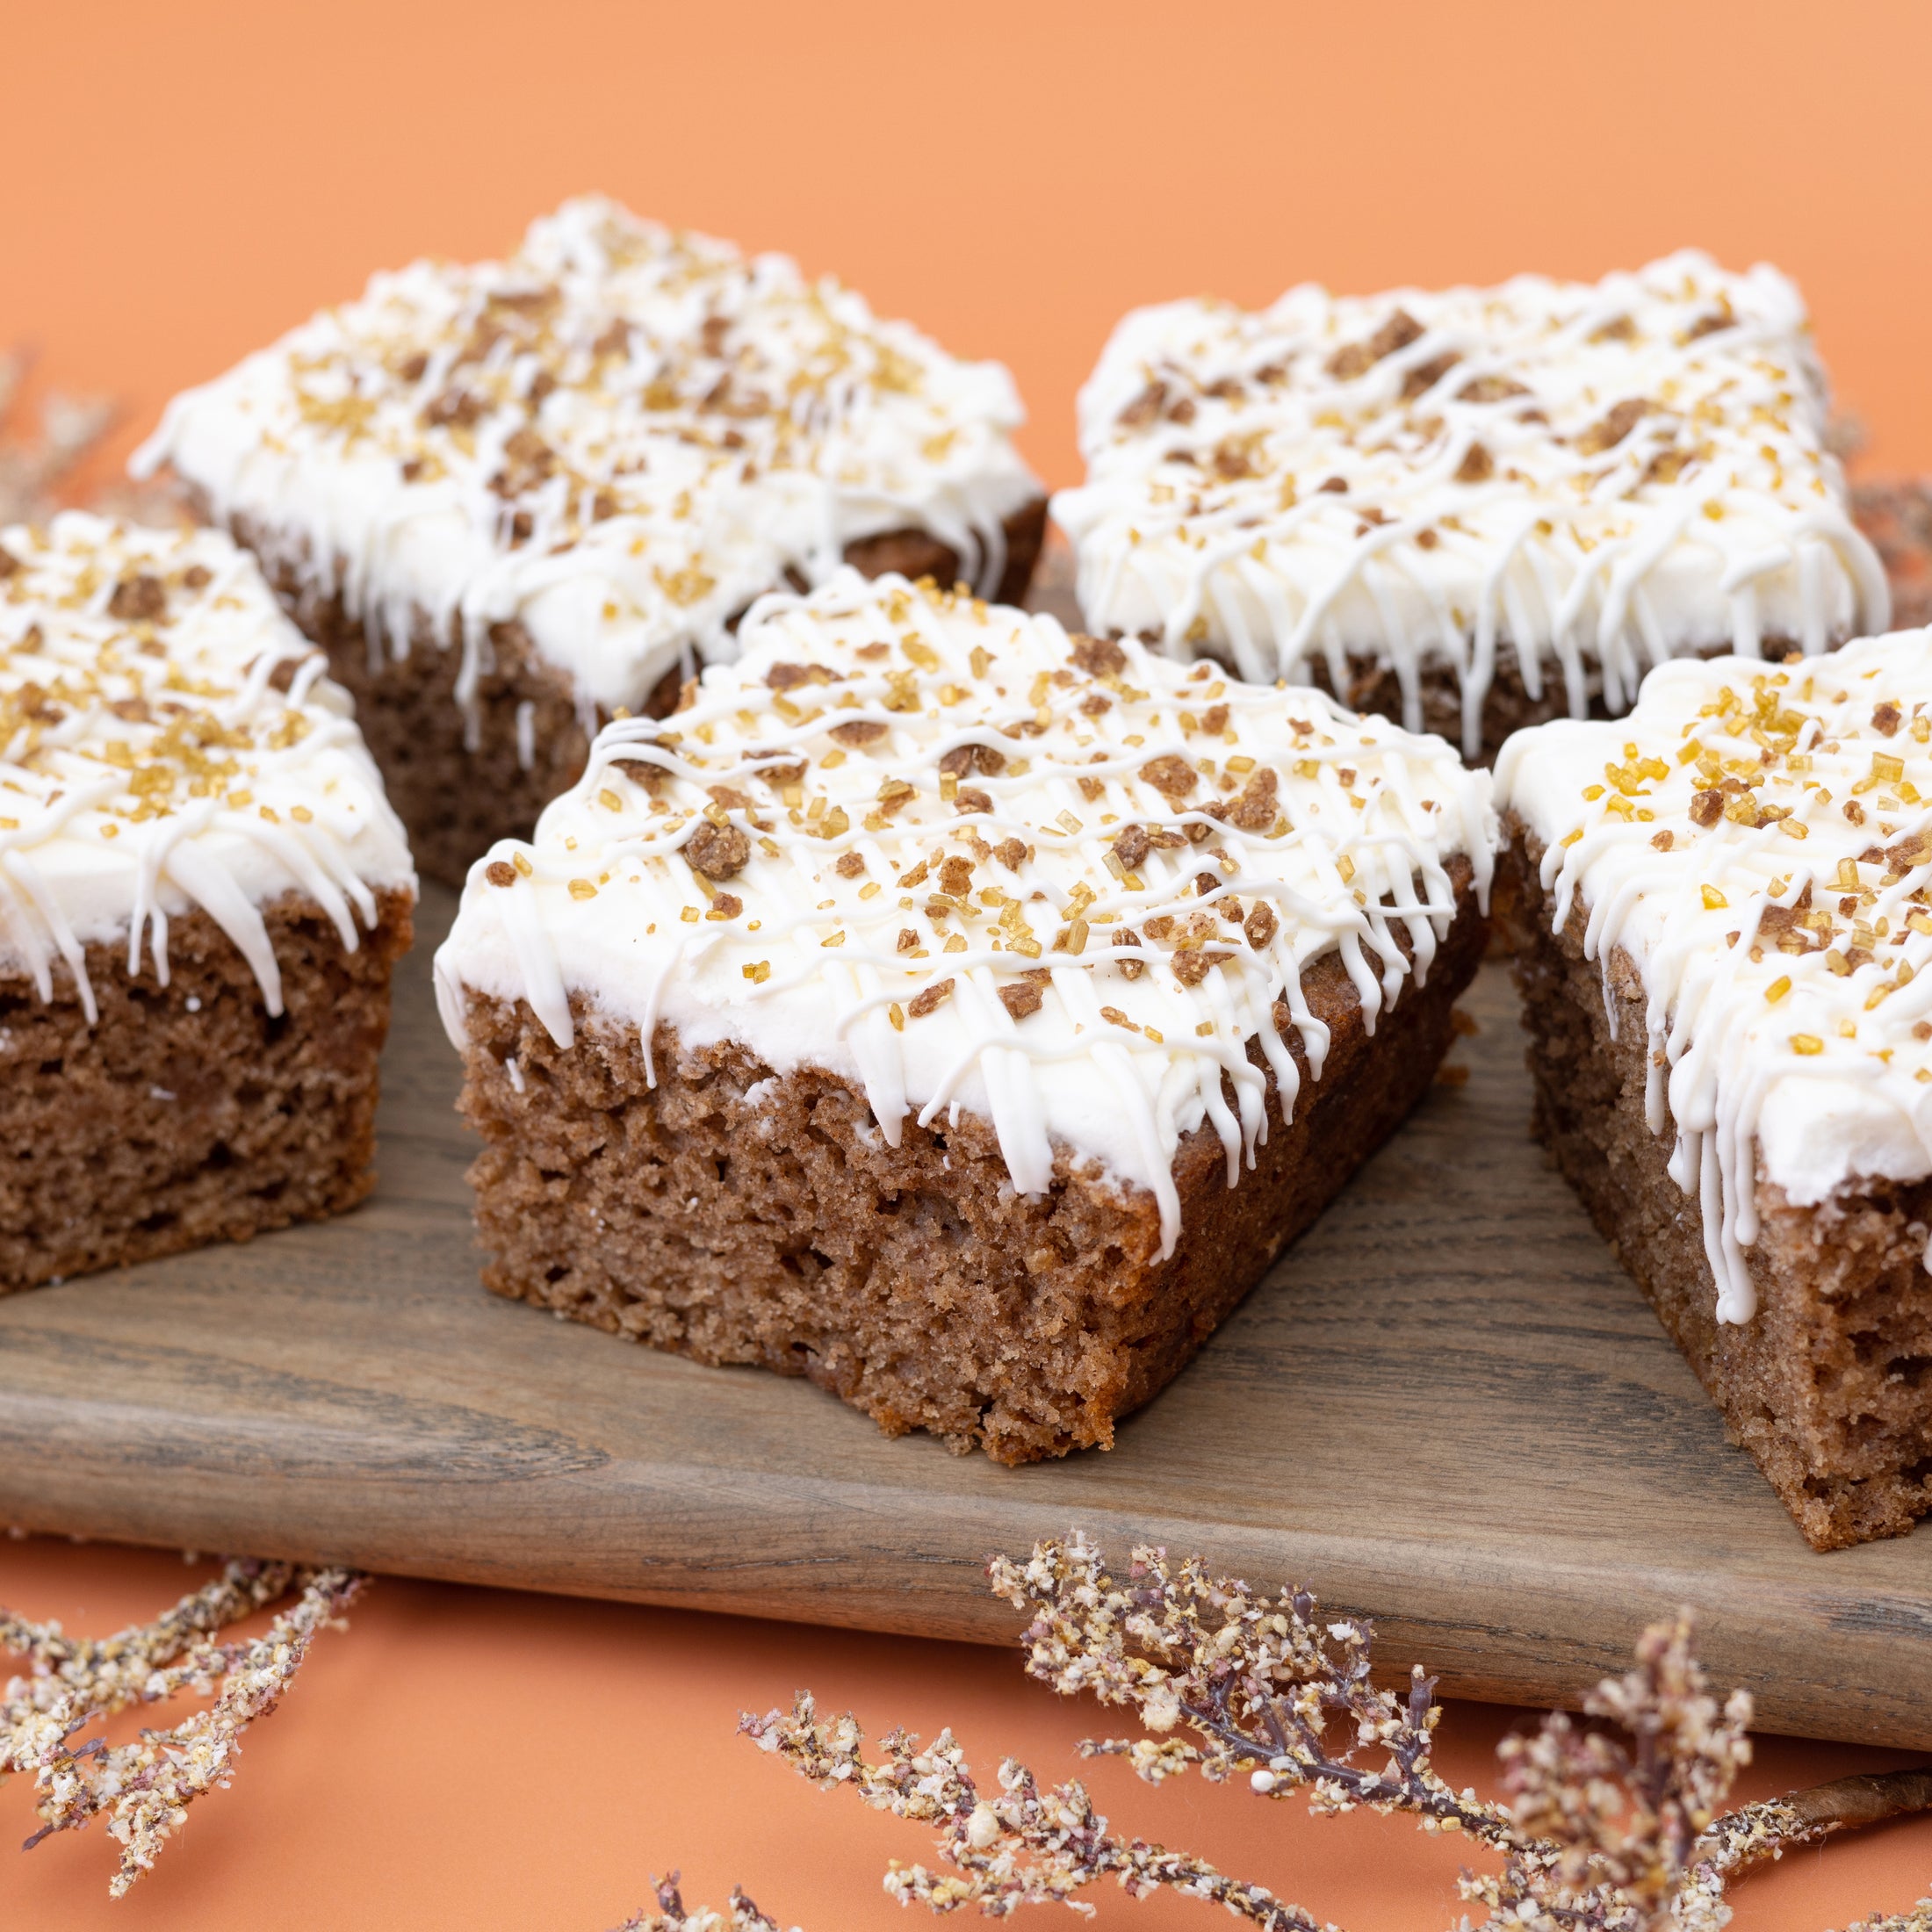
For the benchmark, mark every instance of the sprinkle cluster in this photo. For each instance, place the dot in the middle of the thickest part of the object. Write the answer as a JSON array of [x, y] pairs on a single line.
[[1597, 474], [165, 732], [1759, 840], [976, 850]]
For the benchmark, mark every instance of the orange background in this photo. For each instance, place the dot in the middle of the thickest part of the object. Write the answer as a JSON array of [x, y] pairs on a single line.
[[185, 181]]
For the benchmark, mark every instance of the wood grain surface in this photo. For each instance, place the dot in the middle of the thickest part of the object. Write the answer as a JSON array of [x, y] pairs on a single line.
[[1447, 1408]]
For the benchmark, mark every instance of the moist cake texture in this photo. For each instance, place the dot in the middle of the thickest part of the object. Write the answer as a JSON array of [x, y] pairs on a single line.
[[1723, 911], [1474, 508], [510, 498], [202, 893], [958, 1013]]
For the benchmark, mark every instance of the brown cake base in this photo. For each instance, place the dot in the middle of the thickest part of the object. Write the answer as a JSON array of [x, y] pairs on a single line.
[[458, 797], [912, 1282], [167, 1124], [1829, 1385]]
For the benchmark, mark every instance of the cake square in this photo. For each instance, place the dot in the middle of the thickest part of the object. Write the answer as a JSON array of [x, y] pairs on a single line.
[[514, 499], [1722, 907], [202, 894], [1472, 509], [962, 1014]]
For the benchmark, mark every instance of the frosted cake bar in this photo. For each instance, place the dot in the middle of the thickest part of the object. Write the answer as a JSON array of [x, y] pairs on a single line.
[[202, 893], [1472, 509], [514, 499], [1723, 904], [957, 1012]]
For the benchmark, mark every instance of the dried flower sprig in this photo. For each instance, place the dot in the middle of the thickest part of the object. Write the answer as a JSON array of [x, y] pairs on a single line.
[[144, 1789], [38, 468], [1601, 1830], [1756, 1833], [1611, 1834], [1262, 1682], [671, 1915], [1919, 1919], [32, 471], [1022, 1846]]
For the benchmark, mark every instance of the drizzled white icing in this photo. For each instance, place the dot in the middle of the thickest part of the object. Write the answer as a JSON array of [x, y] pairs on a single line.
[[925, 870], [1589, 477], [619, 435], [1758, 840], [149, 764]]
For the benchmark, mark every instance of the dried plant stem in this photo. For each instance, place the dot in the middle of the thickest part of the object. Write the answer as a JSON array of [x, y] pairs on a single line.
[[144, 1789], [1741, 1838], [1755, 1834], [1024, 1845], [1918, 1919], [671, 1915], [32, 471], [1615, 1824]]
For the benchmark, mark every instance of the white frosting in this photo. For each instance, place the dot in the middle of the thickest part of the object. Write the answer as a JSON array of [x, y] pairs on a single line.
[[620, 435], [1598, 474], [964, 872], [1784, 929], [150, 765]]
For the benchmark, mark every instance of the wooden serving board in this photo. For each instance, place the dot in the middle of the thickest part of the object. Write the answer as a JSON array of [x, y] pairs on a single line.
[[1447, 1408]]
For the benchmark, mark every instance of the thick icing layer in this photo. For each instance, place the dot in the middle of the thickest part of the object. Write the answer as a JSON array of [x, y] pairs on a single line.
[[1758, 839], [618, 438], [168, 741], [1591, 477], [942, 849]]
